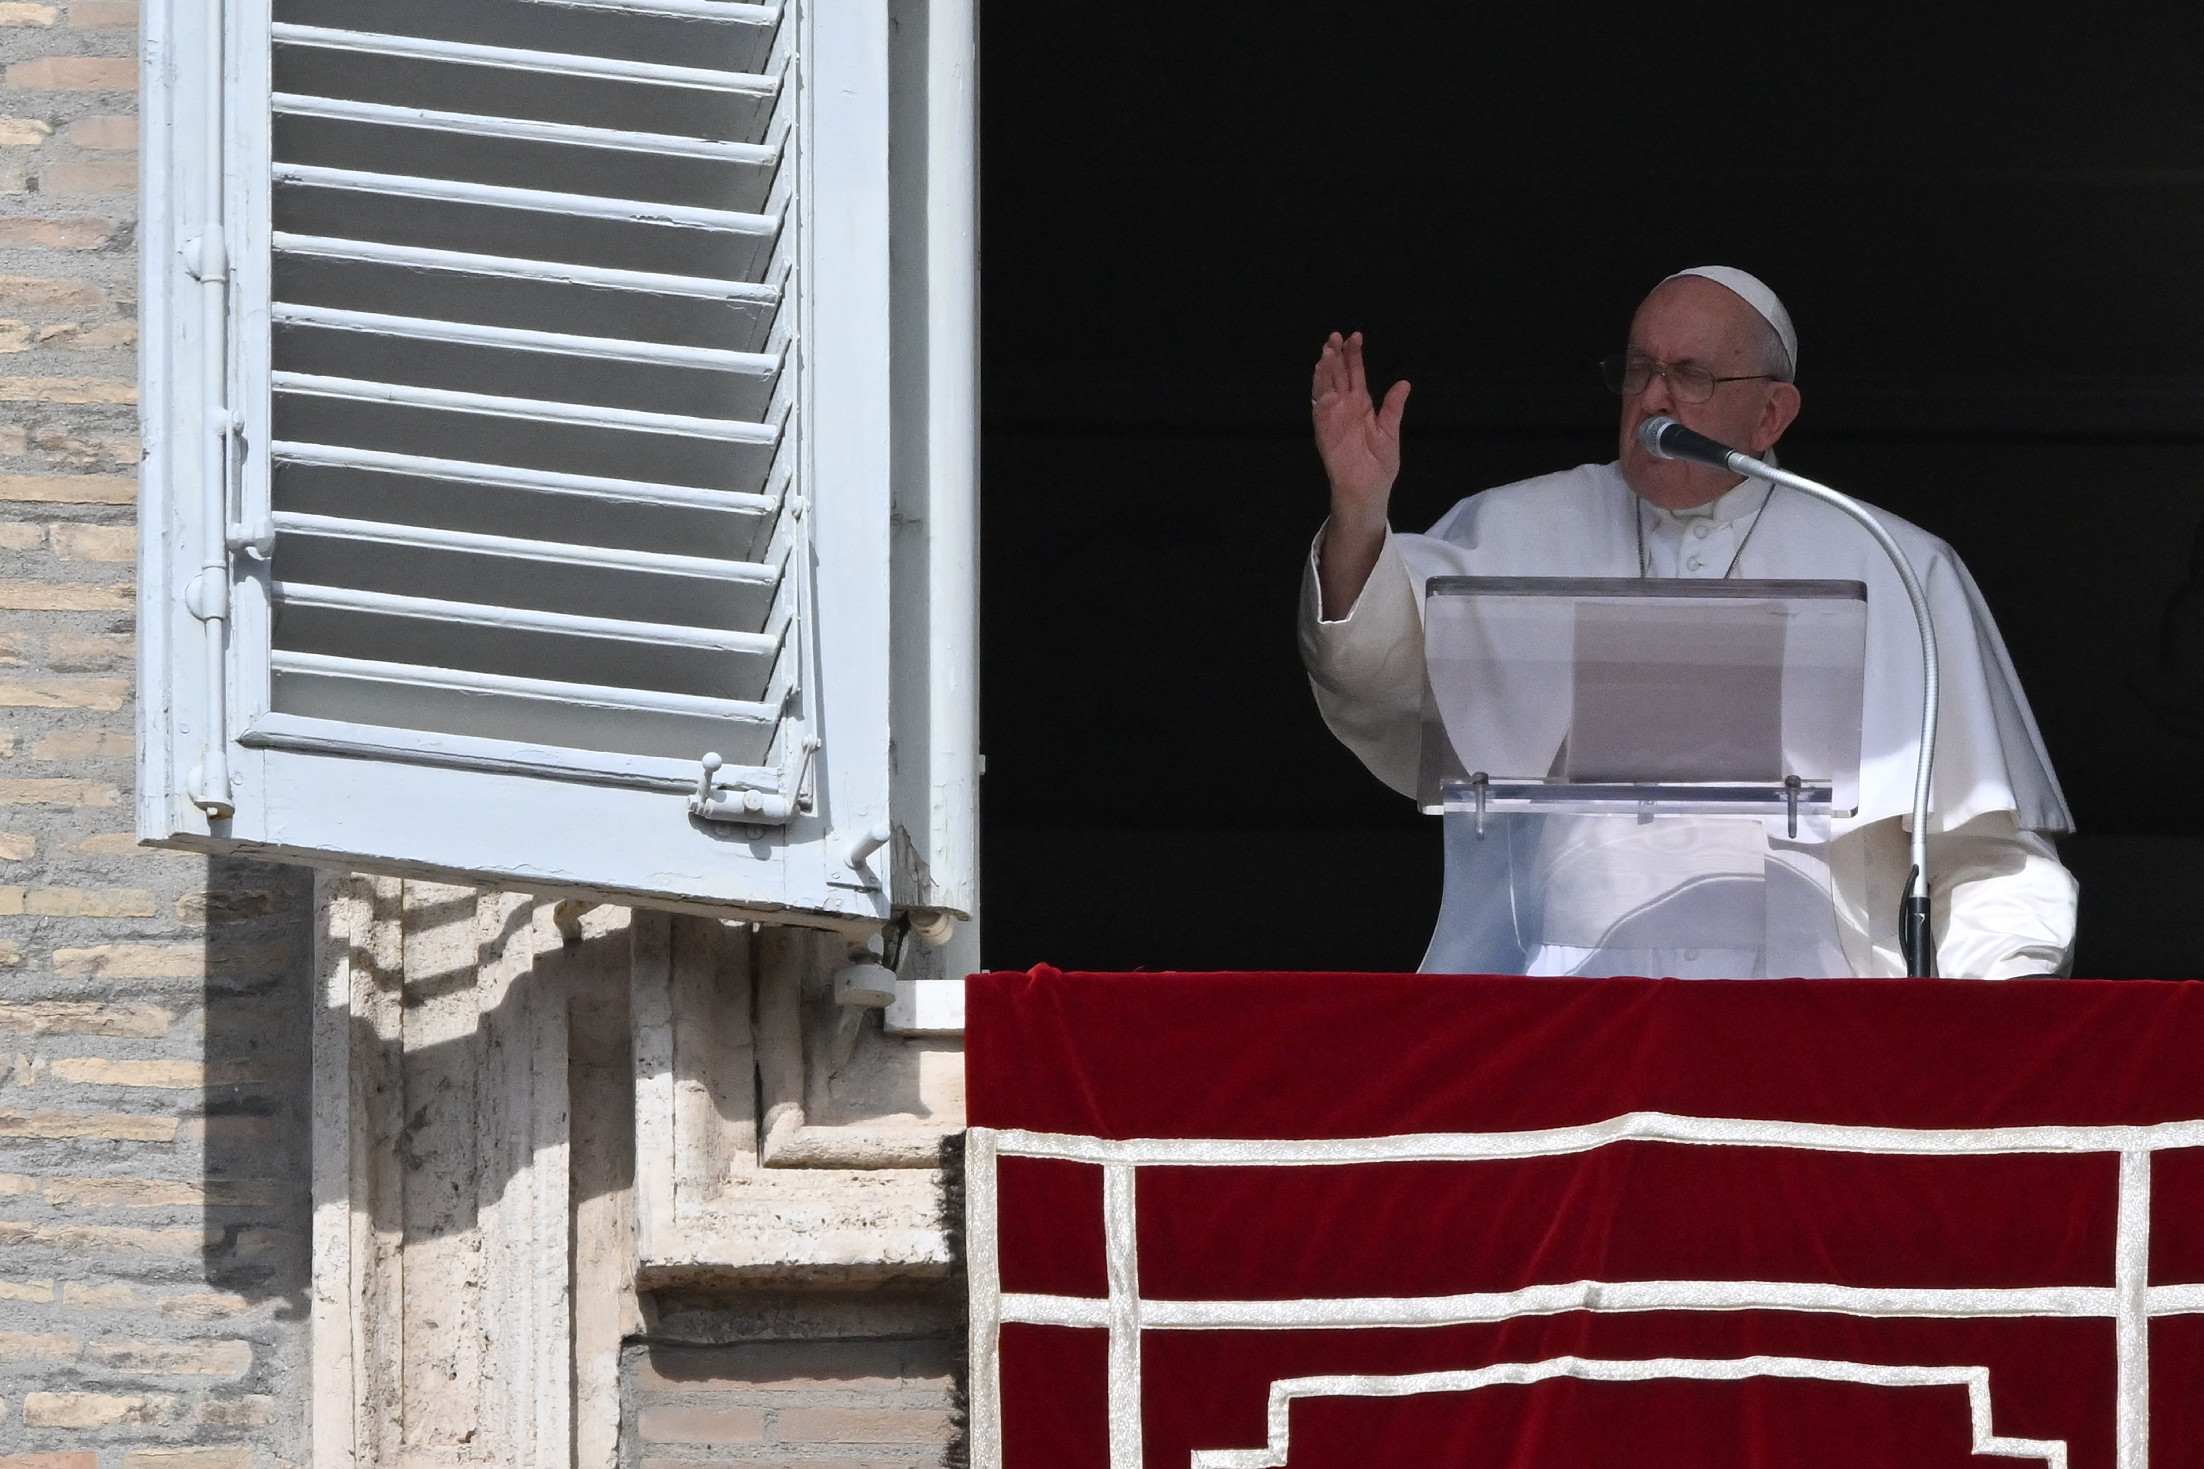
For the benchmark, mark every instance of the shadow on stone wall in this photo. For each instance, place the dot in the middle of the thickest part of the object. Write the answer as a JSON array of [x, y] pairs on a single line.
[[959, 1453], [256, 1102]]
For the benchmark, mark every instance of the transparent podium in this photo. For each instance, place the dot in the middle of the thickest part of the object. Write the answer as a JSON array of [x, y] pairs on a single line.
[[1639, 777]]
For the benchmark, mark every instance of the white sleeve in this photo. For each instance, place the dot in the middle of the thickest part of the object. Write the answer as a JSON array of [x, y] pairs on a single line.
[[2003, 904], [1367, 667]]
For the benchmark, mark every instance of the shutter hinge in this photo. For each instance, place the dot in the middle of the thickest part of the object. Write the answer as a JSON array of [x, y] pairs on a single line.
[[206, 256], [256, 540], [207, 595], [254, 536]]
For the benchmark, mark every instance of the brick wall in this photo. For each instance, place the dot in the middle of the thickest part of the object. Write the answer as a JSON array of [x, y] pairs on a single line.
[[152, 1031]]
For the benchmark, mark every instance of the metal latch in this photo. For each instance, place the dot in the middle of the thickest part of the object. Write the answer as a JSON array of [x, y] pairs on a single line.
[[750, 807]]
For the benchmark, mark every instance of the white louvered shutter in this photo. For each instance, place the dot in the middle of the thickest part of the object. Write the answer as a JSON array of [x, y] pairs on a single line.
[[522, 430]]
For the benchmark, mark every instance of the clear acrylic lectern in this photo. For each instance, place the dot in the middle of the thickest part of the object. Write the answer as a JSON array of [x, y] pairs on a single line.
[[1638, 777]]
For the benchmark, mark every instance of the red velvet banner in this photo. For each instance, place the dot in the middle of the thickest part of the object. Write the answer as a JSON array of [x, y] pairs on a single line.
[[1327, 1220]]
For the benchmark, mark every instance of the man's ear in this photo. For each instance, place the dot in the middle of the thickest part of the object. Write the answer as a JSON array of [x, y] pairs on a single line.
[[1776, 415]]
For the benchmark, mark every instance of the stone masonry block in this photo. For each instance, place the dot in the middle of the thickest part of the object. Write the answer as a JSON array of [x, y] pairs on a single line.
[[90, 903], [162, 1193], [58, 792], [16, 536], [261, 1244], [81, 447], [125, 844], [84, 1017], [25, 1346], [238, 905], [98, 1297], [16, 847], [89, 1239], [38, 290], [91, 14], [106, 694], [205, 1306], [24, 132], [679, 1423], [253, 1410], [115, 1126], [75, 74], [86, 744], [38, 1292], [76, 541], [70, 336], [846, 1366], [227, 1456], [89, 176], [860, 1426], [108, 133], [133, 961], [177, 1075], [59, 1459], [231, 1132], [70, 651], [20, 13], [68, 390], [57, 596], [70, 489], [7, 743], [80, 232], [174, 1358], [99, 1410]]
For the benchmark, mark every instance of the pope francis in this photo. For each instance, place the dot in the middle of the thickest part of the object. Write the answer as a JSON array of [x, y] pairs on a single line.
[[1714, 348]]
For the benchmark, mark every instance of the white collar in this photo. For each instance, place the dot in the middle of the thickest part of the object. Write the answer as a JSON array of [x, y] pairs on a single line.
[[1739, 501]]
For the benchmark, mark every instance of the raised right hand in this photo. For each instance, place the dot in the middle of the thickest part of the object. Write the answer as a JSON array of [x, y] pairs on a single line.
[[1360, 446], [1358, 440]]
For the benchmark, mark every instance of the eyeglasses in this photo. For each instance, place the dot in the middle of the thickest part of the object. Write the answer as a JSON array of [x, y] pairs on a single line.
[[1629, 373]]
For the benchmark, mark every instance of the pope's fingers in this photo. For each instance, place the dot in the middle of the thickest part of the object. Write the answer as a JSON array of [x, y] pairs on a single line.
[[1324, 365], [1396, 403]]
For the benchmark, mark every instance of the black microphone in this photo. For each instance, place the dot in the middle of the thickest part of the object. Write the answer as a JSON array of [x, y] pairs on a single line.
[[1665, 438]]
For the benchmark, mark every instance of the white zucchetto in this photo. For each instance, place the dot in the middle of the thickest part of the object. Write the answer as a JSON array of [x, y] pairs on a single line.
[[1754, 292]]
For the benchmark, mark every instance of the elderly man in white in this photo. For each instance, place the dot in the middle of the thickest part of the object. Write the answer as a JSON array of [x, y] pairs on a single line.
[[1713, 348]]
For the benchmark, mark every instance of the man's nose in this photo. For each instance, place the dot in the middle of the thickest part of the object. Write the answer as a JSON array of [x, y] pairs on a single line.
[[1657, 398]]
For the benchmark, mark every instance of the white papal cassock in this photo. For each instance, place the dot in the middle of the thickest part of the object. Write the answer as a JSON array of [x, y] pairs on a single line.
[[2004, 907]]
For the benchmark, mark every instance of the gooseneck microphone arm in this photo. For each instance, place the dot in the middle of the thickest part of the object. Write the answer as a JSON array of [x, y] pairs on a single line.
[[1665, 438]]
